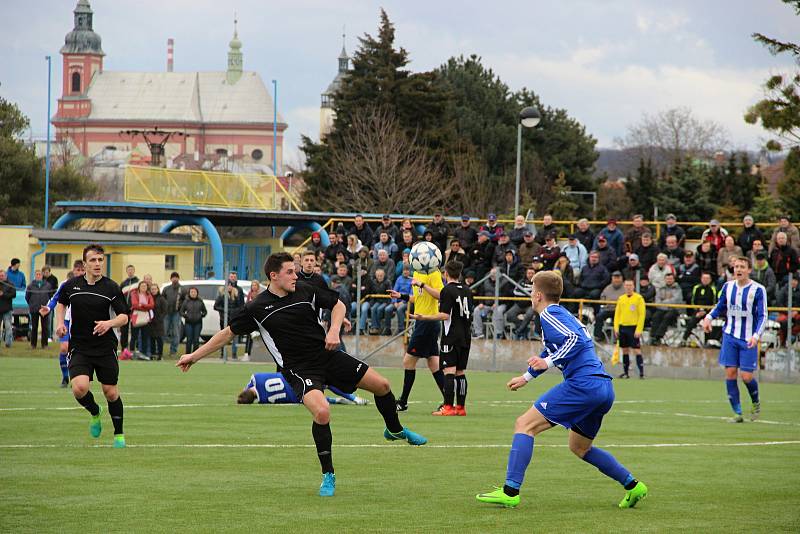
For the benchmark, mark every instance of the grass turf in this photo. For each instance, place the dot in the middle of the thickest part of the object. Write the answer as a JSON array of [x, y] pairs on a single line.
[[197, 462]]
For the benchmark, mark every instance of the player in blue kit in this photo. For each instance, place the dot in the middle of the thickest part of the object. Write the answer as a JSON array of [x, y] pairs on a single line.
[[273, 388], [578, 403], [77, 270], [744, 302]]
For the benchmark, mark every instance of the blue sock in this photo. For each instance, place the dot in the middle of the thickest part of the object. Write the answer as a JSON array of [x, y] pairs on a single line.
[[608, 465], [349, 396], [733, 395], [752, 388], [518, 459], [62, 362]]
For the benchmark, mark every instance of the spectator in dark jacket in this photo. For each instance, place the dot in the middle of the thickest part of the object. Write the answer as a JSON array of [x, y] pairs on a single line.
[[647, 251], [633, 237], [193, 309], [389, 227], [516, 233], [672, 228], [482, 254], [688, 274], [362, 231], [440, 231], [673, 251], [456, 253], [608, 257], [783, 258], [528, 249], [594, 277], [493, 228], [503, 245], [335, 246], [585, 234], [764, 275], [160, 309], [750, 233], [48, 277], [547, 229], [616, 241], [706, 257], [174, 294], [7, 294], [550, 252], [235, 299], [38, 294], [466, 233]]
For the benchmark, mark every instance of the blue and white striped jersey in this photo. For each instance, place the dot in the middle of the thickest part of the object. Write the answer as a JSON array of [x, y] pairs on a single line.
[[272, 388], [568, 345], [745, 308]]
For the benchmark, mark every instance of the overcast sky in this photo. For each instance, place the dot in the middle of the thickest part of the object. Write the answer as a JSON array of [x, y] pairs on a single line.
[[606, 62]]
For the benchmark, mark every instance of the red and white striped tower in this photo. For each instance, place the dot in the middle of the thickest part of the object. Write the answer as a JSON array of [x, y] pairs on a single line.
[[170, 53]]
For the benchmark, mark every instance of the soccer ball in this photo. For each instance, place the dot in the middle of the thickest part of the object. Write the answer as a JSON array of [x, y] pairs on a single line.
[[425, 257]]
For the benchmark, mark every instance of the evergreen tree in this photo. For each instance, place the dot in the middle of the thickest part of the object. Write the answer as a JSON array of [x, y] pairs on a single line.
[[562, 208], [789, 186], [685, 192], [765, 206], [643, 188]]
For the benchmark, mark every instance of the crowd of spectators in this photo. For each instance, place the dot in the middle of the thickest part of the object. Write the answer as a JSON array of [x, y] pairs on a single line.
[[593, 262]]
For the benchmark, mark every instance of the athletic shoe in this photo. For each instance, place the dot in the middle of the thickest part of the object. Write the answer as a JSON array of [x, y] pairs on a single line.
[[624, 375], [119, 441], [246, 358], [755, 411], [460, 410], [402, 406], [95, 426], [737, 419], [634, 495], [64, 382], [361, 402], [412, 437], [328, 485], [445, 410], [641, 377], [498, 496], [127, 355]]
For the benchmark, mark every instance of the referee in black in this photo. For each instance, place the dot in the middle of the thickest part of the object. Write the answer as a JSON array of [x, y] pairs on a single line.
[[287, 317], [93, 300]]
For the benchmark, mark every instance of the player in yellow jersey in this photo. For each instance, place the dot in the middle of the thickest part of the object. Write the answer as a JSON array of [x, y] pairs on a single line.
[[628, 326], [424, 342]]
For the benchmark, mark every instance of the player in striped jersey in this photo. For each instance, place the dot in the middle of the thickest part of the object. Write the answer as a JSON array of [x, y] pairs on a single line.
[[744, 302]]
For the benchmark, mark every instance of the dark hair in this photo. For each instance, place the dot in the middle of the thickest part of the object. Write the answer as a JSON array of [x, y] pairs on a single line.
[[174, 275], [246, 397], [93, 247], [46, 267], [275, 262], [130, 267], [77, 263], [189, 292], [453, 269]]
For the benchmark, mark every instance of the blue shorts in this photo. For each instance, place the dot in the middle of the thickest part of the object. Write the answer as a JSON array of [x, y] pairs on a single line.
[[424, 340], [578, 404], [735, 353], [65, 337]]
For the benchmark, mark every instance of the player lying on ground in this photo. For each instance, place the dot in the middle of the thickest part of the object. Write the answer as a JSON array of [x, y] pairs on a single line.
[[273, 388], [287, 317], [578, 403]]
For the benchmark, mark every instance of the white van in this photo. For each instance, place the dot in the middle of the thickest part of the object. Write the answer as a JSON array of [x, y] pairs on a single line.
[[209, 290]]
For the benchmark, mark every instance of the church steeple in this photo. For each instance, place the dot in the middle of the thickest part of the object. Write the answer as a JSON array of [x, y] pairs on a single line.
[[344, 60], [82, 39], [234, 56]]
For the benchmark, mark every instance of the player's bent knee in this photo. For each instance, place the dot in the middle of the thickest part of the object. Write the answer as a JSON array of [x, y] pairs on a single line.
[[111, 392], [322, 416]]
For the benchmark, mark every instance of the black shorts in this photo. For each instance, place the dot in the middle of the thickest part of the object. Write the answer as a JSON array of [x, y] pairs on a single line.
[[424, 340], [454, 356], [341, 371], [627, 338], [105, 367]]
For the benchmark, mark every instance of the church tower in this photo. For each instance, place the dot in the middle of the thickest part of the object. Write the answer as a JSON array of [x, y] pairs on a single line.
[[82, 57], [326, 113], [234, 57]]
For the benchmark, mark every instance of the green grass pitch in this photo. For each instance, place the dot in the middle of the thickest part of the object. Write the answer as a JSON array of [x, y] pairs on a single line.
[[197, 462]]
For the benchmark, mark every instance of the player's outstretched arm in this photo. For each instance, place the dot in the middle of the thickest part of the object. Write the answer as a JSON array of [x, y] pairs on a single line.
[[61, 329], [219, 340], [441, 316], [516, 382]]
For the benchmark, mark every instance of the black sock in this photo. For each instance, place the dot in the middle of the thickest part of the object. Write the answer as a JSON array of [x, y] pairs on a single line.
[[461, 390], [115, 411], [388, 410], [511, 492], [438, 376], [632, 484], [626, 363], [87, 401], [449, 389], [640, 364], [408, 383], [323, 439]]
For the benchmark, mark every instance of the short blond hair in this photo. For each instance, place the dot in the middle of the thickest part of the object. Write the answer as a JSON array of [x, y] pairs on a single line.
[[550, 284]]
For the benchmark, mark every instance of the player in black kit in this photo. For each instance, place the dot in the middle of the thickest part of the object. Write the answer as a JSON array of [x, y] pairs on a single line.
[[92, 343], [455, 309], [287, 317]]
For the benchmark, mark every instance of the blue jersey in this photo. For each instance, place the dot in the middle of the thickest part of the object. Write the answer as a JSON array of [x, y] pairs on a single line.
[[568, 345], [745, 309], [272, 388]]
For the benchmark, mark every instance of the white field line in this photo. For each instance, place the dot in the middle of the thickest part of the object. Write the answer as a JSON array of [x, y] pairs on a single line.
[[127, 407], [379, 446], [713, 417]]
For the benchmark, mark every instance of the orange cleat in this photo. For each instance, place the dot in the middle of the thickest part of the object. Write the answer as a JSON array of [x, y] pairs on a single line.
[[460, 410], [445, 410]]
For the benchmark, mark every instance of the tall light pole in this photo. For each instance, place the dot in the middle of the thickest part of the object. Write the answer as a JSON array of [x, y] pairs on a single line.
[[47, 156], [529, 117]]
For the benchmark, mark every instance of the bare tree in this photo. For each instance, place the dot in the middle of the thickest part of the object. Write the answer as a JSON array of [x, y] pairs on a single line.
[[379, 168], [673, 135]]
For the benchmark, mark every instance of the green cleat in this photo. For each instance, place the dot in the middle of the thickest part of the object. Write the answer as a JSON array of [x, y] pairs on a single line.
[[95, 426], [755, 411], [119, 441], [634, 495], [498, 496], [412, 437]]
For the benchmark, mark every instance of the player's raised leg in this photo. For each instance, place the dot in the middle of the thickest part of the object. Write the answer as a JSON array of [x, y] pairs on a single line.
[[379, 386], [315, 402], [527, 425], [605, 462]]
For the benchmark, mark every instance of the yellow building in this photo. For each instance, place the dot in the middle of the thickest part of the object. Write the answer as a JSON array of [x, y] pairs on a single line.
[[154, 254]]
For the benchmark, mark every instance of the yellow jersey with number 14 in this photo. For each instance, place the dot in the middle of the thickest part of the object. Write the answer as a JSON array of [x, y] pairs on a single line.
[[424, 303]]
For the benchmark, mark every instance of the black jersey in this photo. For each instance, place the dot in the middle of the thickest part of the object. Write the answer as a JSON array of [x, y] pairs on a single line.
[[90, 303], [455, 300], [290, 325], [314, 279]]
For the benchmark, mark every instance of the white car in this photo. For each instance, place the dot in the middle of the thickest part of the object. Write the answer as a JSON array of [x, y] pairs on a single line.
[[209, 290]]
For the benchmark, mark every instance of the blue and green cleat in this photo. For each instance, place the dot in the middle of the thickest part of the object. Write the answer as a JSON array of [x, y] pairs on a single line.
[[498, 496], [119, 441], [412, 437], [95, 426], [632, 496], [328, 486]]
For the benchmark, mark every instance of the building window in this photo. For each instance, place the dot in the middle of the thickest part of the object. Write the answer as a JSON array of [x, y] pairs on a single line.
[[76, 82], [57, 260], [170, 261], [222, 152], [124, 227], [257, 154]]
